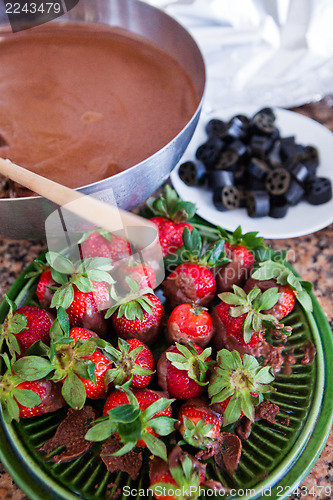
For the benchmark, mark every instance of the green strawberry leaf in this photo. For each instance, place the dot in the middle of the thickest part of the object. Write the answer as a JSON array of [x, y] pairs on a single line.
[[63, 297], [17, 323], [14, 346], [101, 431], [63, 319], [130, 432], [125, 449], [84, 348], [83, 284], [268, 299], [73, 391], [98, 275], [12, 408], [125, 413], [32, 368], [305, 300], [27, 397], [156, 407], [155, 446], [232, 411], [60, 263], [163, 425]]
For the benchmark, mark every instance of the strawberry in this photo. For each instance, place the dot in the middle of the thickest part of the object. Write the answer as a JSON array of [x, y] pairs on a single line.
[[237, 385], [133, 359], [178, 479], [83, 290], [171, 214], [183, 371], [44, 288], [49, 394], [26, 399], [282, 275], [192, 282], [101, 243], [240, 250], [198, 423], [73, 359], [286, 301], [138, 317], [24, 327], [190, 323], [238, 319], [137, 418], [143, 274]]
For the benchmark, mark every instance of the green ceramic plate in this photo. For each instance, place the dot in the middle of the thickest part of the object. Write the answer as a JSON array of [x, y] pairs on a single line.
[[275, 458]]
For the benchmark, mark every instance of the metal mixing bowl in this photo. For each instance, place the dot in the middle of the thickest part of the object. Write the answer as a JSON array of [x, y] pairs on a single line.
[[24, 218]]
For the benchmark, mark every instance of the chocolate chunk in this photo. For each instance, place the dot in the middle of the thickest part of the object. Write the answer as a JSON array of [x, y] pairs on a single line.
[[289, 360], [266, 411], [243, 428], [231, 449], [309, 353], [70, 435], [130, 463], [272, 355]]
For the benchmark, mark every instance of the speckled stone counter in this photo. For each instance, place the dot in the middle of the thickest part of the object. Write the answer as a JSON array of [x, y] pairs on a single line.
[[313, 260]]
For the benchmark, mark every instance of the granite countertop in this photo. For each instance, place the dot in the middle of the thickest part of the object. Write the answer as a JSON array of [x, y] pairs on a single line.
[[314, 261]]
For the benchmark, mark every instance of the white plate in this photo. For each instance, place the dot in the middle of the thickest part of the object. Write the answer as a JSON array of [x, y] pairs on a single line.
[[300, 220]]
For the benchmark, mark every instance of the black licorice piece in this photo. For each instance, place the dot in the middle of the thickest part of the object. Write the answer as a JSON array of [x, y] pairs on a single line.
[[267, 111], [216, 128], [237, 128], [278, 207], [209, 152], [192, 174], [220, 178], [311, 159], [319, 190], [241, 174], [274, 156], [295, 193], [228, 160], [259, 145], [226, 198], [258, 204], [290, 150], [239, 148], [277, 181], [258, 169], [263, 123], [254, 184], [299, 171]]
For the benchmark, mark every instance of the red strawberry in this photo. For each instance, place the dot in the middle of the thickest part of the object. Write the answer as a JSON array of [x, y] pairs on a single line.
[[190, 323], [238, 319], [132, 358], [24, 327], [171, 216], [140, 318], [286, 301], [236, 383], [239, 249], [136, 418], [97, 388], [43, 291], [191, 284], [103, 244], [198, 423], [183, 371], [277, 273], [170, 234], [49, 394], [179, 478], [143, 274], [86, 309]]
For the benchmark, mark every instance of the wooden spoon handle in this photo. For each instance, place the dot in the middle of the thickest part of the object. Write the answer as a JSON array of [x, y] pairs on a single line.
[[98, 212]]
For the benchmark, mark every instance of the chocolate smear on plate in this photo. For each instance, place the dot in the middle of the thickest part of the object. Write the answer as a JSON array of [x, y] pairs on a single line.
[[70, 436], [309, 353], [130, 463]]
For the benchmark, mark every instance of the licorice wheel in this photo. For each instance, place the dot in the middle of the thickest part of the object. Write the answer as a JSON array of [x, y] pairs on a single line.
[[237, 128], [258, 204], [209, 152], [267, 111], [260, 144], [216, 128], [239, 147], [226, 198], [192, 174], [319, 190], [263, 123], [228, 160], [299, 171], [258, 169], [277, 181]]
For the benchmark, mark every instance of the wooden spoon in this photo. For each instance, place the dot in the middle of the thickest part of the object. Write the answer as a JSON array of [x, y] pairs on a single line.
[[98, 212]]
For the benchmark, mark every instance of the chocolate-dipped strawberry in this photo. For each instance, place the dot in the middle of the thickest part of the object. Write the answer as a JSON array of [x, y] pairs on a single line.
[[237, 385], [137, 316], [179, 478], [190, 323], [183, 371], [238, 319], [101, 243], [239, 248], [192, 282], [137, 418], [198, 424], [276, 273]]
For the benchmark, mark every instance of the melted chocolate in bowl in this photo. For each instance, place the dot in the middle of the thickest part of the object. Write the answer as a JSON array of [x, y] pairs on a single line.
[[78, 105]]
